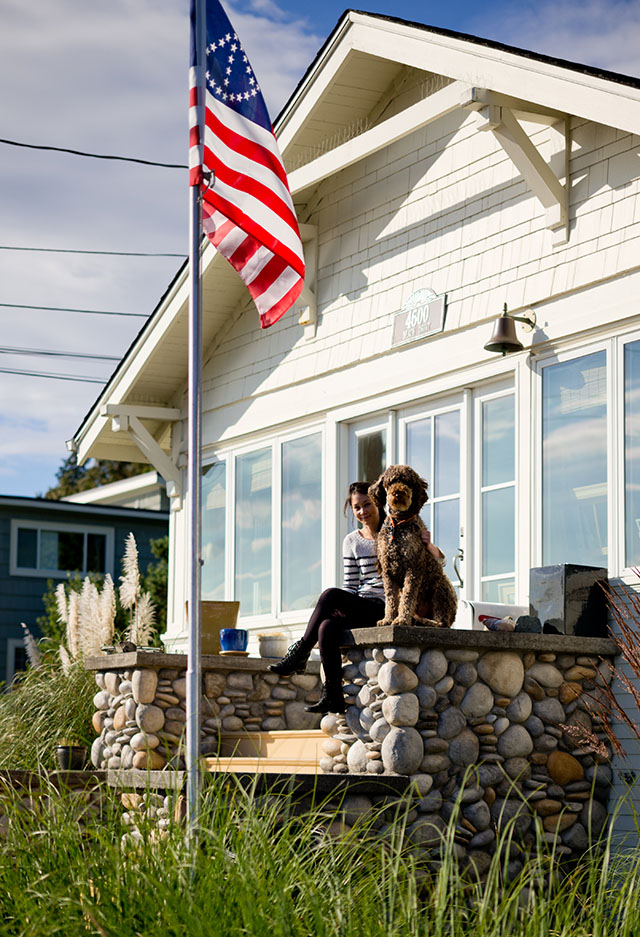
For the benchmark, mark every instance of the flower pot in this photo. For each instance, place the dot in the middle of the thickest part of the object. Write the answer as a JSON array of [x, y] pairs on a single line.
[[71, 757], [233, 639], [273, 645]]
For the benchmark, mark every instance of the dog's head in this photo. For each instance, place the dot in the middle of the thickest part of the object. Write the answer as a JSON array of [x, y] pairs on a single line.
[[401, 488]]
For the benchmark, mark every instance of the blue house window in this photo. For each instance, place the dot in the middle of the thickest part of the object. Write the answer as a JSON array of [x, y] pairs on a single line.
[[49, 550]]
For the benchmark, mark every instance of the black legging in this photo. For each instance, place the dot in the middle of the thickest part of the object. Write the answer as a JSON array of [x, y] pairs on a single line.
[[325, 626]]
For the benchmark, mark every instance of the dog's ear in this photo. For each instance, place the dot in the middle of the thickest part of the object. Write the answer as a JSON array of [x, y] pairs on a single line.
[[378, 493], [420, 495]]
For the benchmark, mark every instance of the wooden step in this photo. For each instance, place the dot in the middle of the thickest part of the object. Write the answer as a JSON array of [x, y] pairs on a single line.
[[285, 751]]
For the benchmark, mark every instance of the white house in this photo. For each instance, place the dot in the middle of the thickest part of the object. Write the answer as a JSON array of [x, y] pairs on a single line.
[[436, 177]]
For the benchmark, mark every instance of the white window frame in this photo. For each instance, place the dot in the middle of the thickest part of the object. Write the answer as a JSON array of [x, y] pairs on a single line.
[[229, 456], [481, 397], [44, 573]]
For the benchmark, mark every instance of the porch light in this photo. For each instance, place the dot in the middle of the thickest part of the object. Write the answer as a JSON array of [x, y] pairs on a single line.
[[504, 338]]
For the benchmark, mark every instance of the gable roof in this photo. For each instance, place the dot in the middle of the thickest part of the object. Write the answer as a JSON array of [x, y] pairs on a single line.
[[376, 78]]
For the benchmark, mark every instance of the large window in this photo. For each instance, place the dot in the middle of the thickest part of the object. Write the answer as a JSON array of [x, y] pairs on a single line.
[[55, 550], [497, 498], [432, 446], [574, 461], [268, 554], [632, 452]]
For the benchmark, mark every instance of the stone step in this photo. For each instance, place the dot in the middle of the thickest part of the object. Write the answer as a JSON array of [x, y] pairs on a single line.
[[285, 751]]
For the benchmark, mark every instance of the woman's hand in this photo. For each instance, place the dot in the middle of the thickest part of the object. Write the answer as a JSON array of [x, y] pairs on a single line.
[[425, 533]]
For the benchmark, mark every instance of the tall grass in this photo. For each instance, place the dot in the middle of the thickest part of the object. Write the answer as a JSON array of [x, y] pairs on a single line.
[[260, 870], [41, 707]]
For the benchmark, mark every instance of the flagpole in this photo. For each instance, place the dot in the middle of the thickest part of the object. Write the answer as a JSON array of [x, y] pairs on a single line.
[[194, 662]]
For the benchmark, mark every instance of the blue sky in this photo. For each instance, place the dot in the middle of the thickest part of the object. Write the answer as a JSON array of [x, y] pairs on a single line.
[[112, 78]]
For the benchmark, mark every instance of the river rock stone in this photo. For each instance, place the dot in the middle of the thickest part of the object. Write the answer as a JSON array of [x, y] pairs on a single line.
[[112, 682], [549, 710], [427, 696], [331, 747], [432, 764], [401, 709], [478, 814], [119, 718], [367, 718], [464, 749], [329, 724], [149, 760], [564, 768], [593, 817], [534, 726], [546, 675], [466, 674], [501, 725], [306, 681], [450, 723], [428, 831], [214, 683], [503, 671], [507, 812], [515, 743], [517, 768], [576, 837], [407, 655], [149, 718], [432, 667], [478, 701], [102, 699], [97, 749], [558, 822], [396, 678], [379, 730], [296, 717], [402, 749], [357, 758], [519, 709], [144, 684], [239, 680], [546, 807]]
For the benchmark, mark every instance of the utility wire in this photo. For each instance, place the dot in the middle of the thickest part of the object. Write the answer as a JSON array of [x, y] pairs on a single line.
[[56, 377], [6, 350], [89, 312], [64, 250], [64, 149]]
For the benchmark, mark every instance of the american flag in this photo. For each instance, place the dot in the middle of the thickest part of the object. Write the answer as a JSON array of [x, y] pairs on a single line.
[[247, 209]]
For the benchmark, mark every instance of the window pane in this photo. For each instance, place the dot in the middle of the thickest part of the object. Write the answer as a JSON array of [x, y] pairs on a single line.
[[447, 454], [253, 532], [498, 525], [49, 549], [372, 455], [498, 440], [27, 547], [214, 479], [96, 553], [70, 551], [301, 521], [574, 461], [502, 591], [419, 447], [632, 451], [446, 531]]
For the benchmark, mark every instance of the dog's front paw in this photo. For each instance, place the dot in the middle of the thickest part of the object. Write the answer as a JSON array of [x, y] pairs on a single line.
[[402, 622], [385, 623]]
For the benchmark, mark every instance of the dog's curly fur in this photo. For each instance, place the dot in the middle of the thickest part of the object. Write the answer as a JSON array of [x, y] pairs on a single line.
[[416, 589]]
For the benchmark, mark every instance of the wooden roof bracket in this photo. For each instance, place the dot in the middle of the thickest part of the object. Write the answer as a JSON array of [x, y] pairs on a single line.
[[306, 303], [127, 418], [497, 113]]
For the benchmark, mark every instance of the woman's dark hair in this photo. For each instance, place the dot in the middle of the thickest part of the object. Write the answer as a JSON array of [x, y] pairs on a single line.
[[362, 488]]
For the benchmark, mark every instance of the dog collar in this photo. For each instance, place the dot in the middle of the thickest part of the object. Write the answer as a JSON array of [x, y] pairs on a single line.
[[396, 523]]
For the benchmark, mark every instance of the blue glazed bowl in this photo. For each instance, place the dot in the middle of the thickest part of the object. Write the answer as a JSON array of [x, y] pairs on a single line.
[[233, 639]]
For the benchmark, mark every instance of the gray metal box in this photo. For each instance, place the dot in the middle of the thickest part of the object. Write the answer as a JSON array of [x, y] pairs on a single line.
[[567, 599]]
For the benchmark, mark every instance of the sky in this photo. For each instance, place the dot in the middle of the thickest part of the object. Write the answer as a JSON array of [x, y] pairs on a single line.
[[112, 79]]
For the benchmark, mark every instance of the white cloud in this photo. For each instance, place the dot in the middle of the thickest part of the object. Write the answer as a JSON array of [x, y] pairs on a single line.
[[602, 33]]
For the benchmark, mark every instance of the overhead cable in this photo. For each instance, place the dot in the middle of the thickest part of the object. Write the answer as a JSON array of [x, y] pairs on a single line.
[[88, 312], [67, 250], [55, 377], [7, 350], [64, 149]]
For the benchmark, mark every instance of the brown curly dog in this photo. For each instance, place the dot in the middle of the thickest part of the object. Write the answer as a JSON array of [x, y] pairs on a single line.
[[416, 589]]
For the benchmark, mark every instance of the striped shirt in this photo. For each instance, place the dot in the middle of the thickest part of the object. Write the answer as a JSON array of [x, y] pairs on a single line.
[[361, 575]]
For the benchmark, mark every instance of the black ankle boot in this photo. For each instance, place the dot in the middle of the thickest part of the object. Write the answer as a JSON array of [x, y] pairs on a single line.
[[294, 661], [331, 701]]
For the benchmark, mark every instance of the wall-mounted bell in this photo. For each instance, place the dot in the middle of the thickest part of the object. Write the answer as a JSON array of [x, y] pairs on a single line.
[[504, 338]]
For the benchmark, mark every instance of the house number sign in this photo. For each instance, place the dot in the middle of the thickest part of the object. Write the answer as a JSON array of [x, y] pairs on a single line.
[[422, 315]]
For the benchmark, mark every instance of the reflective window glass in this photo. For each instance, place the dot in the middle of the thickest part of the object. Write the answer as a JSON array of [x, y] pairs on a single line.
[[574, 461], [446, 479], [498, 449], [96, 553], [498, 527], [213, 530], [253, 532], [27, 547], [446, 531], [301, 521], [372, 455], [502, 591], [632, 452]]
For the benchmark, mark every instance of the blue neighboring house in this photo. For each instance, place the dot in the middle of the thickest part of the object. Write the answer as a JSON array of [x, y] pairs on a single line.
[[42, 540]]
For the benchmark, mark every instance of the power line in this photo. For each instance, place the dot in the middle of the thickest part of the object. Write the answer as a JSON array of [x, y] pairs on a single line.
[[89, 312], [6, 350], [64, 250], [64, 149], [55, 377]]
